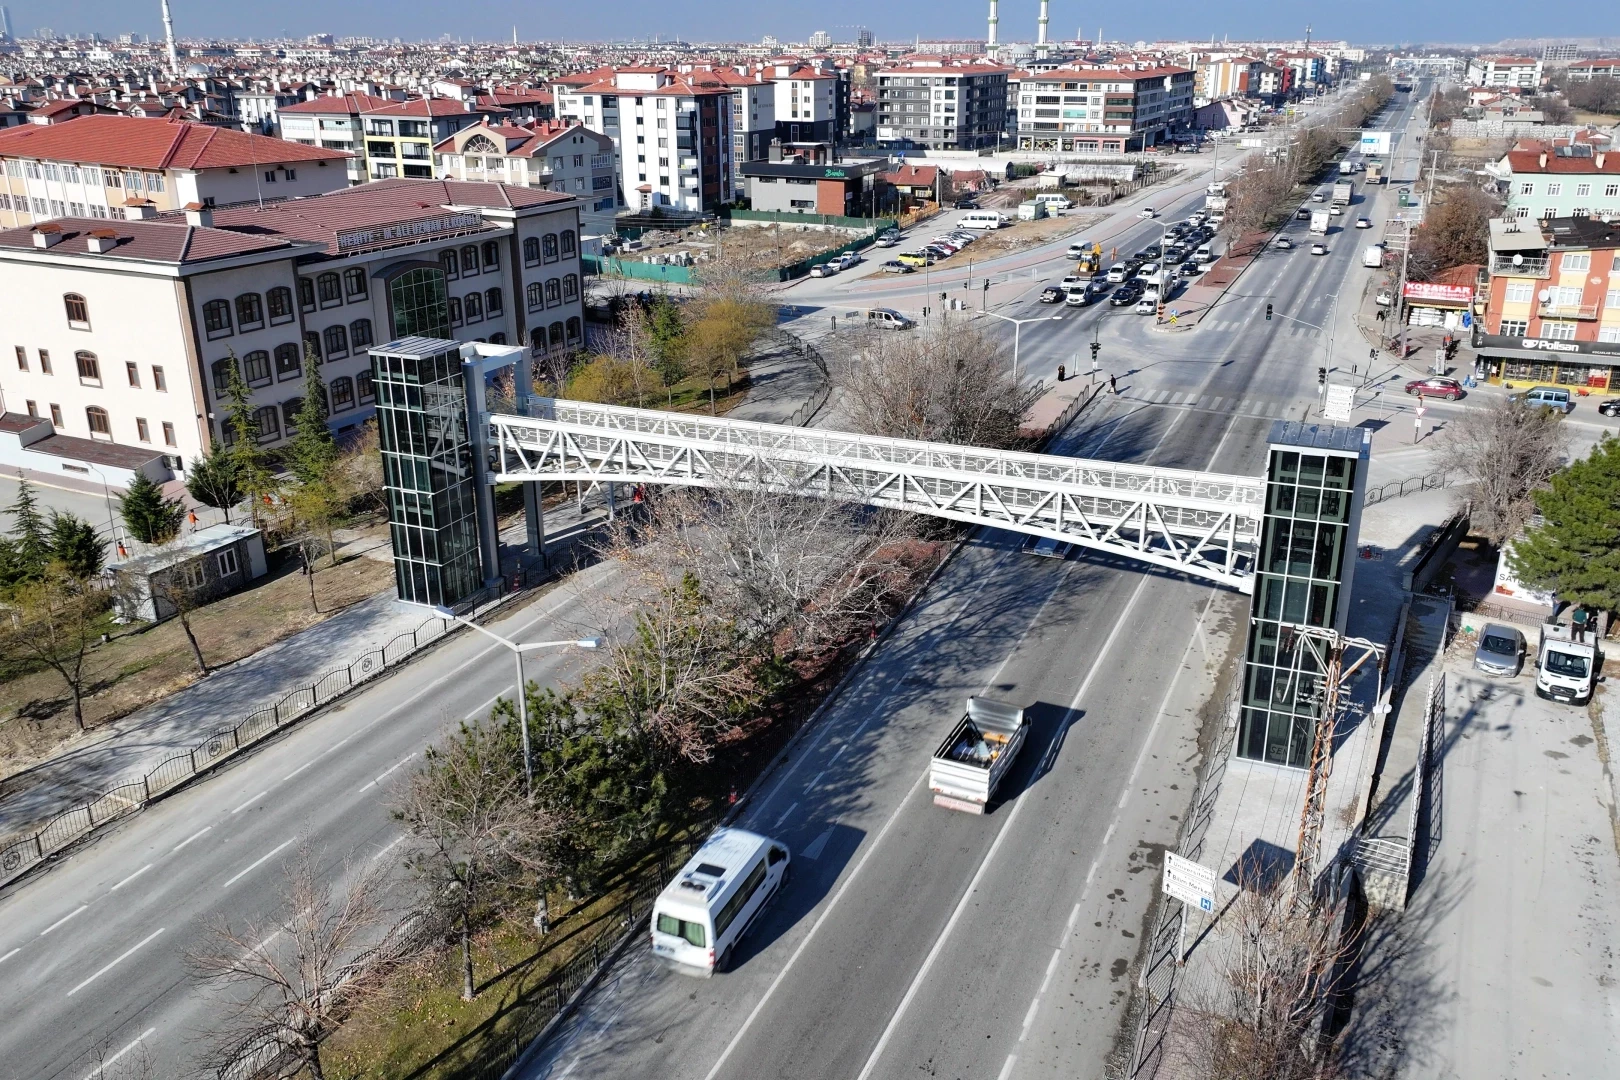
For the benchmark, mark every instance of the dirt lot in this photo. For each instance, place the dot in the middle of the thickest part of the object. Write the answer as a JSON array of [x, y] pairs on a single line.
[[36, 711], [758, 247], [1024, 234]]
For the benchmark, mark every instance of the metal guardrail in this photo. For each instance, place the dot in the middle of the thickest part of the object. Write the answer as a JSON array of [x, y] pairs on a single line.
[[1396, 489], [20, 855]]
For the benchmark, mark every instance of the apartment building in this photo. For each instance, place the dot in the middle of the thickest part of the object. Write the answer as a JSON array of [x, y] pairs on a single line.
[[1309, 68], [672, 131], [806, 105], [387, 138], [753, 118], [942, 105], [1226, 77], [1102, 109], [1560, 180], [93, 165], [1587, 70], [555, 155], [1552, 313], [1522, 71], [123, 331]]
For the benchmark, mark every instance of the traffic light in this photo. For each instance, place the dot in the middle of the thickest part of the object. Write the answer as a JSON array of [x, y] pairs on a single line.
[[1321, 376], [1268, 313], [1096, 347]]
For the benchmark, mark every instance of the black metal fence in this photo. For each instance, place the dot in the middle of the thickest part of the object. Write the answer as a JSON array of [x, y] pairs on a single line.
[[1396, 489]]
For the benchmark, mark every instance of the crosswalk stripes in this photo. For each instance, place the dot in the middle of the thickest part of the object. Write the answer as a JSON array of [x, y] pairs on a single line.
[[1253, 408]]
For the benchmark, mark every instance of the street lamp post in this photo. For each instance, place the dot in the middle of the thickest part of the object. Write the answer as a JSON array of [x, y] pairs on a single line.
[[517, 651], [1017, 324], [106, 491]]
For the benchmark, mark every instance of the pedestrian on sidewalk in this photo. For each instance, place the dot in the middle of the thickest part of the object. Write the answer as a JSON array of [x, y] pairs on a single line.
[[1113, 387]]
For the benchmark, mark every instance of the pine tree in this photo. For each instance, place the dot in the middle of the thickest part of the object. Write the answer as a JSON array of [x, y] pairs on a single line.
[[76, 547], [29, 533], [313, 450], [150, 517], [211, 480], [252, 465], [1575, 552]]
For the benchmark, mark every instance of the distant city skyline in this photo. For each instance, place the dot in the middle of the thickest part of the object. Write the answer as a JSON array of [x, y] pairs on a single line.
[[1382, 21]]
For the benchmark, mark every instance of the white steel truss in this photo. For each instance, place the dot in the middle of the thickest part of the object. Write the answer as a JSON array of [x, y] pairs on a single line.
[[1203, 524]]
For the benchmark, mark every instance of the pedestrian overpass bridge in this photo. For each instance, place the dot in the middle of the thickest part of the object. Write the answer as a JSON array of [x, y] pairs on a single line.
[[1203, 524]]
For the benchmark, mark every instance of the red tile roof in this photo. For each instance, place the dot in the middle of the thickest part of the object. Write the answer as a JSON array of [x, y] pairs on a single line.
[[156, 143], [345, 103], [430, 107], [1528, 161], [913, 176], [165, 240]]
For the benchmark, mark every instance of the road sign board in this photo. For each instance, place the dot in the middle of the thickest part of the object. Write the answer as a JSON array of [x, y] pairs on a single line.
[[1340, 401], [1189, 882]]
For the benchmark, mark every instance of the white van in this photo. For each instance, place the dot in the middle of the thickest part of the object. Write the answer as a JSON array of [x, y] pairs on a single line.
[[1055, 200], [700, 916], [981, 219]]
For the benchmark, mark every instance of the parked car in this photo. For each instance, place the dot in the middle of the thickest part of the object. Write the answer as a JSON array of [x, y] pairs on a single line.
[[1146, 307], [1284, 244], [918, 258], [849, 259], [1500, 651], [1436, 386], [1318, 249], [1052, 295], [886, 240], [1384, 298], [895, 266], [1610, 407], [1363, 223], [825, 269], [964, 237]]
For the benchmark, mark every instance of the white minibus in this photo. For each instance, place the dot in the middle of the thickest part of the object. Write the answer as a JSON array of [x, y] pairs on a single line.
[[700, 916], [981, 219]]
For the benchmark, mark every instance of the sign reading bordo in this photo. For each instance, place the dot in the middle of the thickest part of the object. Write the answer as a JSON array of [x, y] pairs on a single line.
[[1190, 882]]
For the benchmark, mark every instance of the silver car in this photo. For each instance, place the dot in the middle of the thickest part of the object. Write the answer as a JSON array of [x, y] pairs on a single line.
[[1500, 651]]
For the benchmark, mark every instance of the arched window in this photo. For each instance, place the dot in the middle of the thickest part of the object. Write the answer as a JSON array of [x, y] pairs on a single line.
[[217, 319], [222, 376], [100, 424], [256, 368], [555, 333], [492, 301], [289, 413], [306, 294], [289, 361], [360, 334], [553, 292], [279, 300], [531, 250], [576, 330], [497, 339], [330, 289], [337, 342], [312, 343], [548, 244], [455, 311], [570, 287], [473, 307], [249, 311], [363, 387], [568, 243], [354, 283], [78, 312], [89, 368], [492, 255], [469, 259], [479, 144], [267, 422], [451, 267], [537, 339], [536, 297], [342, 393]]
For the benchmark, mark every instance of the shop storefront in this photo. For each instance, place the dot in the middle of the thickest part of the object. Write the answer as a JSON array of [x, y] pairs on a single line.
[[1584, 365], [1432, 304]]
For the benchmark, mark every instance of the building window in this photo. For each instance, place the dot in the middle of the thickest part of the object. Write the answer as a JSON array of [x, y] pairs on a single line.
[[22, 355], [289, 414], [455, 311], [168, 434], [226, 561], [89, 368], [1555, 189], [217, 319], [1609, 333], [1557, 331], [100, 425], [576, 330], [306, 293], [492, 301], [289, 364], [469, 260], [497, 339], [363, 388], [159, 383], [132, 371], [142, 432], [536, 300], [568, 243], [1581, 261], [548, 244], [249, 311], [56, 416], [473, 307], [342, 390], [553, 292], [418, 303], [1519, 292], [1611, 190], [492, 255], [451, 267], [1514, 327], [312, 343], [1582, 190], [354, 283], [330, 289], [570, 288], [33, 409], [554, 335], [267, 422], [280, 302], [531, 250], [222, 376], [337, 342], [360, 334], [256, 368], [78, 312]]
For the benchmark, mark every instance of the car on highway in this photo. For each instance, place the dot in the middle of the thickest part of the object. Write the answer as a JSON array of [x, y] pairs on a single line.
[[1282, 243], [825, 269], [1189, 270], [1148, 271], [1127, 294], [1152, 251], [895, 266], [1077, 251], [1118, 273], [1197, 219], [1148, 212], [701, 915], [1146, 307], [1052, 295], [1363, 223], [1547, 397], [1610, 407], [1318, 196], [1335, 210], [883, 318], [1318, 249], [1096, 290], [1436, 386], [1501, 650], [1048, 548], [1303, 213], [1205, 265]]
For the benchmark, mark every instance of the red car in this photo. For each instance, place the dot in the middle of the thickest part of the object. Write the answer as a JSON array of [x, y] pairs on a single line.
[[1450, 389]]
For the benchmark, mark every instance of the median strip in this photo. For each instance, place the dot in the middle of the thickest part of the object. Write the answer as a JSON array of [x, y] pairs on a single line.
[[133, 949]]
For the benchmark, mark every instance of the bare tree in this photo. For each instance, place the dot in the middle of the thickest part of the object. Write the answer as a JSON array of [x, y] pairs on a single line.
[[475, 838], [57, 620], [183, 593], [1505, 451], [299, 973], [951, 382]]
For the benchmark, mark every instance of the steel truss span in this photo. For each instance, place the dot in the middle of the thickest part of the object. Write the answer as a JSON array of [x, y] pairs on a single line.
[[1203, 524]]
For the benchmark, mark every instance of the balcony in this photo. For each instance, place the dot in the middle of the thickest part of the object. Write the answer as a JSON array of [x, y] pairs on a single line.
[[1527, 266], [1552, 310]]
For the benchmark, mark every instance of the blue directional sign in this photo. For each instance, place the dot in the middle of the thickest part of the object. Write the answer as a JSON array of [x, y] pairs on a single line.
[[1467, 319]]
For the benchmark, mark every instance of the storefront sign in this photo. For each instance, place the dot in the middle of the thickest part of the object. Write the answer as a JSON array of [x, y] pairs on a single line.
[[1496, 343], [1429, 293], [349, 239]]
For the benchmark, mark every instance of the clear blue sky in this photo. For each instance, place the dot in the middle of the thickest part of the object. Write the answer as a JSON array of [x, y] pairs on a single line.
[[1379, 20]]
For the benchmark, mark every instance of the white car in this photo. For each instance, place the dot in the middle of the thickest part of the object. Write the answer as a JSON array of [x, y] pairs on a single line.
[[1146, 307], [1148, 212], [1363, 223], [1077, 251], [1148, 271], [1384, 298], [1335, 211], [1118, 273], [825, 269], [1197, 219], [1318, 249], [849, 259], [1284, 244]]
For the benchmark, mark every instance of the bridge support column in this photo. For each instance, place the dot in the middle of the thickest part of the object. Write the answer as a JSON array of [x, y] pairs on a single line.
[[472, 374], [534, 521]]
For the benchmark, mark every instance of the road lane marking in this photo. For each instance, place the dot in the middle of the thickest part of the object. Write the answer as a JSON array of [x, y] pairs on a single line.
[[62, 920], [485, 706], [784, 816], [1001, 834], [100, 1071], [814, 849], [131, 878], [1029, 1017], [133, 949], [395, 843], [190, 838], [298, 770], [256, 865], [1051, 966], [770, 991], [251, 801], [403, 761], [1006, 1070], [9, 955]]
